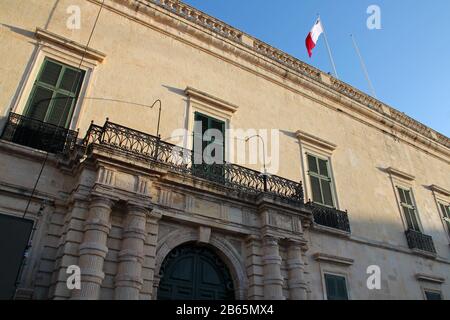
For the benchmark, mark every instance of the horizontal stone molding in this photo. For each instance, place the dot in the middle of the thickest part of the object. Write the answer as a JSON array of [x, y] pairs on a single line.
[[211, 101], [78, 48], [430, 278], [93, 248], [315, 141], [323, 257], [400, 174], [440, 190]]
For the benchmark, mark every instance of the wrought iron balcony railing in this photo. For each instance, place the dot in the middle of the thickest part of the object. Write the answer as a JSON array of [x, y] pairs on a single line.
[[39, 135], [330, 217], [152, 149], [420, 241]]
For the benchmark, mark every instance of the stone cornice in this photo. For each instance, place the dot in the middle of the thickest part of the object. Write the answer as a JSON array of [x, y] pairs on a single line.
[[430, 278], [315, 141], [323, 257], [241, 44], [47, 36], [202, 97], [400, 174], [440, 190]]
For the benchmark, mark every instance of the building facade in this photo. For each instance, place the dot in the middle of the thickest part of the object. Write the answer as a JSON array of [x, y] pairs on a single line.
[[355, 204]]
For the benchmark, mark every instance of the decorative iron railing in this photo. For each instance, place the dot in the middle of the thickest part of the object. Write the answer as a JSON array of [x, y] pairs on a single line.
[[420, 241], [152, 149], [330, 217], [39, 135]]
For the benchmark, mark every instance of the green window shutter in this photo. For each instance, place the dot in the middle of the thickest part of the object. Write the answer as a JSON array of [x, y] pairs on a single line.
[[446, 214], [312, 164], [39, 102], [321, 183], [315, 187], [208, 123], [409, 210], [219, 141], [326, 192], [50, 73], [62, 105], [336, 287], [431, 295], [54, 93]]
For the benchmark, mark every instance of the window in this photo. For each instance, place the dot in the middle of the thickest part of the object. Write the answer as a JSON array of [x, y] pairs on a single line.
[[445, 209], [209, 147], [409, 210], [433, 295], [321, 183], [204, 136], [336, 287], [54, 93]]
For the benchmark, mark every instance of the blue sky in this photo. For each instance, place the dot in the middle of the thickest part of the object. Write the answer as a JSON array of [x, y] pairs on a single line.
[[408, 59]]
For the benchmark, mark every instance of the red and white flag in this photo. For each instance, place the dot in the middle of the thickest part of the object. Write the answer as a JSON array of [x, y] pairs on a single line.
[[313, 36]]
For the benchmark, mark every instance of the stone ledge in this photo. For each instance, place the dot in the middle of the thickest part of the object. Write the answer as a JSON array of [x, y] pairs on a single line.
[[429, 278], [73, 46], [315, 141], [323, 257], [440, 190], [400, 174], [336, 232], [211, 101], [425, 254]]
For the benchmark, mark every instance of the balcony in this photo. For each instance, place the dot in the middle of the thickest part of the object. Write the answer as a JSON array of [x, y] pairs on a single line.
[[330, 217], [38, 135], [420, 241], [148, 148]]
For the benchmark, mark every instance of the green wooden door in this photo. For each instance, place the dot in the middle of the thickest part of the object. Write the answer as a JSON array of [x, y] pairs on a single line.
[[194, 273]]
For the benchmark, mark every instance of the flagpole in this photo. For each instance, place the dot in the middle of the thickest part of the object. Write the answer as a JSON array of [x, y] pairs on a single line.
[[329, 49], [363, 65]]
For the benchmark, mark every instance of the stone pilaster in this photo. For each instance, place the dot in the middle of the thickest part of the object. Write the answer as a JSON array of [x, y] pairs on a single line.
[[129, 273], [148, 291], [296, 278], [69, 248], [273, 280], [254, 266], [94, 248]]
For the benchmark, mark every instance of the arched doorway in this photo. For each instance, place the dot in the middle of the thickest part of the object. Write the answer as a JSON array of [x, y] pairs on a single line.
[[192, 272]]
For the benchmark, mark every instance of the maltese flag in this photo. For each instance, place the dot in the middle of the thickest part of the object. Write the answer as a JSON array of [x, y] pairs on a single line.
[[313, 36]]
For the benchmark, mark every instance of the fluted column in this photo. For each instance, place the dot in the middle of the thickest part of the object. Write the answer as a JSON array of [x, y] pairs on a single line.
[[129, 274], [296, 281], [93, 249], [273, 280]]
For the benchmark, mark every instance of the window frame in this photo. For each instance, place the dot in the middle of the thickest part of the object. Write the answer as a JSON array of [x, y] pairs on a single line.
[[55, 90], [412, 206], [209, 118], [444, 209], [433, 291], [62, 49], [335, 274], [321, 177]]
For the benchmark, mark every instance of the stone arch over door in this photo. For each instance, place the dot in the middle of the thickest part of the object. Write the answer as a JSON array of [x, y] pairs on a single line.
[[220, 246]]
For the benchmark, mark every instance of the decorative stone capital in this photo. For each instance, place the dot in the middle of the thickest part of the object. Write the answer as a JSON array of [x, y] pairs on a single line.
[[101, 202]]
